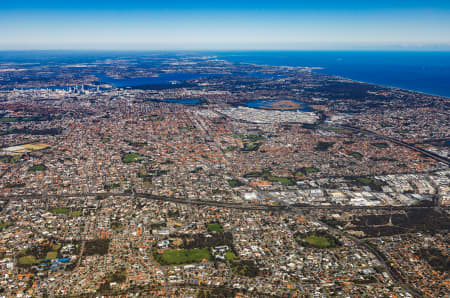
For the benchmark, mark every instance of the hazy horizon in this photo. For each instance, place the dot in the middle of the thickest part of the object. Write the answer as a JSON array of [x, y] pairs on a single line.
[[243, 25]]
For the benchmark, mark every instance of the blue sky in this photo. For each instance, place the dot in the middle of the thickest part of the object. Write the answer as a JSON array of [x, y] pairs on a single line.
[[161, 25]]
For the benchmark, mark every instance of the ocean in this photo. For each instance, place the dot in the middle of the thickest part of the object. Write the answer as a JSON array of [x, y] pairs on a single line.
[[427, 72]]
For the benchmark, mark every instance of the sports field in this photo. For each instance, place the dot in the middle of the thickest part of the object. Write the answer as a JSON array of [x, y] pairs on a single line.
[[182, 256]]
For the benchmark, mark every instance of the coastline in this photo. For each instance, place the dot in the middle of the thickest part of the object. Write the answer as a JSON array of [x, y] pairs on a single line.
[[425, 73], [382, 85], [313, 68]]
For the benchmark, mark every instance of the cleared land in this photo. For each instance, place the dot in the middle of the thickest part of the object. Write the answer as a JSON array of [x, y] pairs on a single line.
[[305, 171], [28, 260], [131, 157], [215, 227], [37, 168], [267, 175], [59, 210], [230, 256], [317, 240], [282, 105], [36, 146], [51, 255], [75, 213], [182, 256]]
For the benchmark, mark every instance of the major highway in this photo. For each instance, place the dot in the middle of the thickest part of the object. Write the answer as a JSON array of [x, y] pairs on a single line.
[[242, 206], [427, 153]]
